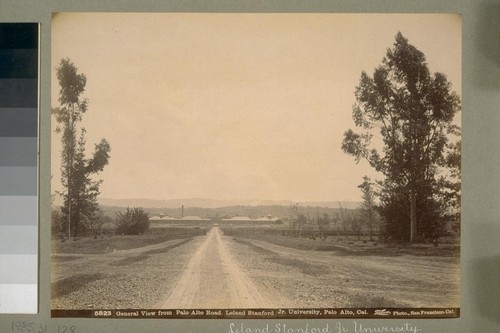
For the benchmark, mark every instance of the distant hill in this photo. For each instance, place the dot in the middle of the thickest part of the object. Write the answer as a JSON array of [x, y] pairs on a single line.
[[215, 203], [280, 211], [331, 204]]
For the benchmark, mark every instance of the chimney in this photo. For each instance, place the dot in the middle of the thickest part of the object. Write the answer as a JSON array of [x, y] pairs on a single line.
[[182, 211]]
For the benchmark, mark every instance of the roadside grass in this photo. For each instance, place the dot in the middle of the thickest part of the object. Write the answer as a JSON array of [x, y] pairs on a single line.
[[167, 248], [61, 259], [293, 242], [361, 247], [73, 283], [129, 260], [423, 250], [304, 267], [370, 301], [89, 245], [146, 254], [256, 248]]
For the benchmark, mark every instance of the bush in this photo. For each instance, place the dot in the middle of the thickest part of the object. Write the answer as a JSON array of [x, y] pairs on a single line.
[[134, 221]]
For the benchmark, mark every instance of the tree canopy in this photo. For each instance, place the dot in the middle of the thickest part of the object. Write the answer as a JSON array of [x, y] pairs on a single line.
[[412, 111], [80, 191]]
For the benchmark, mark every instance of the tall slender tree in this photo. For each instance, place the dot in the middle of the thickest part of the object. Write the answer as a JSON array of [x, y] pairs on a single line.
[[368, 207], [79, 190], [412, 110]]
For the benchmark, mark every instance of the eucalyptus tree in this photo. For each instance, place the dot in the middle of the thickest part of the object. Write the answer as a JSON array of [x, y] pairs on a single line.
[[80, 191], [412, 111]]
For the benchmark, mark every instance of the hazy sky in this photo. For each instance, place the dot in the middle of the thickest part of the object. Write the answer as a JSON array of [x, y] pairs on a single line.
[[233, 106]]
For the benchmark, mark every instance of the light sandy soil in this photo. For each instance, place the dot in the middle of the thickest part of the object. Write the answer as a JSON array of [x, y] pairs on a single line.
[[65, 265], [212, 280], [128, 279], [301, 278], [218, 271]]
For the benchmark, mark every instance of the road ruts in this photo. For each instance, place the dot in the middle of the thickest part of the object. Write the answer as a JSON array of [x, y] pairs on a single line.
[[212, 280]]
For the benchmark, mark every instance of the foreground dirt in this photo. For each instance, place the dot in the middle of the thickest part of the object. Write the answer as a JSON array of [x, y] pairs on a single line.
[[217, 271], [136, 278], [305, 278]]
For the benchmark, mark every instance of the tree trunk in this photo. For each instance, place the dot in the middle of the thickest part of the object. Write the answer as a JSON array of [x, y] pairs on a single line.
[[371, 225], [413, 216]]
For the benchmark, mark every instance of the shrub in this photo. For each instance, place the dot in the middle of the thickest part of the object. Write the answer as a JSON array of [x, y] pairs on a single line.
[[133, 221]]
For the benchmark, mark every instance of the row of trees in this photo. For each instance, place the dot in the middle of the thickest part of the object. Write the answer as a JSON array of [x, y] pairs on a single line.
[[412, 111], [350, 221]]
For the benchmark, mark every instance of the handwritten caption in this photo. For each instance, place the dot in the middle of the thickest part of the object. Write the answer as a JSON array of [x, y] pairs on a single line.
[[354, 327], [23, 326]]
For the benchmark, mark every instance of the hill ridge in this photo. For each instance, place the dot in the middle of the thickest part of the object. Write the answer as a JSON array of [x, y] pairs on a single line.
[[218, 203]]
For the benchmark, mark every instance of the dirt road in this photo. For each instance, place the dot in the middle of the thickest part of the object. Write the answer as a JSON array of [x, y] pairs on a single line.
[[222, 271], [213, 280]]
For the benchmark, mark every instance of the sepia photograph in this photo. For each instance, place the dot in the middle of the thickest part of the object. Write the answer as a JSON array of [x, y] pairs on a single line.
[[255, 165]]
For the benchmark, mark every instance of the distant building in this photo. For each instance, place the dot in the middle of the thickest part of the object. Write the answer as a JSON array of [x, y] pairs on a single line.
[[165, 220], [249, 220], [162, 220]]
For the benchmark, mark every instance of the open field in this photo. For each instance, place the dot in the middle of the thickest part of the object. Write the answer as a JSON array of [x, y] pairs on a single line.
[[348, 244], [105, 244]]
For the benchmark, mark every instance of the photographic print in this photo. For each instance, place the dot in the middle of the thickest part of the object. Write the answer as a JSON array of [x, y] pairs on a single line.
[[251, 165]]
